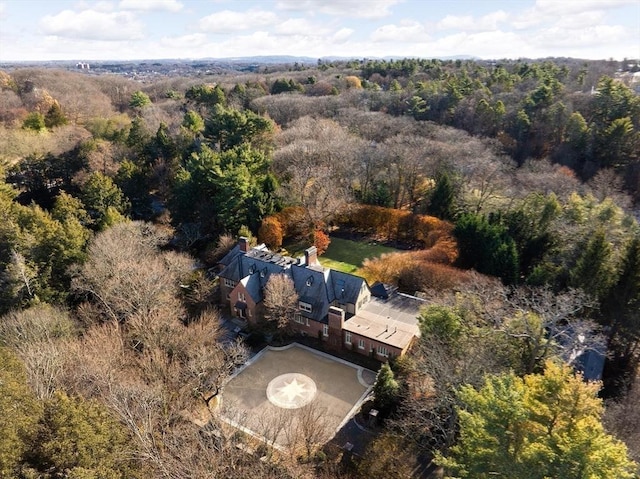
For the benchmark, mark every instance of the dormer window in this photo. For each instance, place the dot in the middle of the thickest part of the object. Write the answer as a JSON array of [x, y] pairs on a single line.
[[252, 269], [306, 307], [309, 281], [263, 272]]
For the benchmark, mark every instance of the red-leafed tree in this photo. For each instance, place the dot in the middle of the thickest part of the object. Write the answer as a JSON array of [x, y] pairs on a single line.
[[321, 241]]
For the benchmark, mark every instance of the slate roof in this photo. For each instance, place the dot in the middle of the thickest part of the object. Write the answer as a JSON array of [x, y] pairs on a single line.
[[314, 284], [390, 318]]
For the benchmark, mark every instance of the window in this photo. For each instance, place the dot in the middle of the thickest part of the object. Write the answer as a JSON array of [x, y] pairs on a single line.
[[325, 330], [228, 283], [360, 343], [241, 297], [298, 318], [305, 306], [347, 337], [382, 351]]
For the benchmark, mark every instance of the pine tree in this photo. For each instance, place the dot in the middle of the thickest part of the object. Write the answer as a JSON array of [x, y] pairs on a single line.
[[441, 203], [539, 426]]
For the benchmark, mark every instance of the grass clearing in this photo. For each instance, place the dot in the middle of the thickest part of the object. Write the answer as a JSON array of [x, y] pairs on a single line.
[[343, 255], [348, 256]]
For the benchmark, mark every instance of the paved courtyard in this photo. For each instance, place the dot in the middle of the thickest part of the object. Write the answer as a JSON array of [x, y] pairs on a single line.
[[294, 388]]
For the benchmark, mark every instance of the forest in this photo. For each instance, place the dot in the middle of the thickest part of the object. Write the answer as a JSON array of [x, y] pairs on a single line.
[[511, 189]]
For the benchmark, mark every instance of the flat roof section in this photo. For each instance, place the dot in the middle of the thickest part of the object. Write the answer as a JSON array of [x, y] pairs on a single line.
[[393, 321]]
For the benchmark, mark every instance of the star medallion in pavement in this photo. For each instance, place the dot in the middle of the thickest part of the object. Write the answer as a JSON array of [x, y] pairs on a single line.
[[293, 389]]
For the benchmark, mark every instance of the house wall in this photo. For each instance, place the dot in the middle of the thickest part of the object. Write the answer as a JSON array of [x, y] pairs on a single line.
[[352, 308], [240, 294], [371, 344], [309, 327], [225, 291]]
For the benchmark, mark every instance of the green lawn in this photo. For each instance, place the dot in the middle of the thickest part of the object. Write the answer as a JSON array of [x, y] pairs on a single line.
[[345, 255]]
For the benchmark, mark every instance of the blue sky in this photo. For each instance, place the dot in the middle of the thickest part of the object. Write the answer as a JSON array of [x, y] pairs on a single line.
[[154, 29]]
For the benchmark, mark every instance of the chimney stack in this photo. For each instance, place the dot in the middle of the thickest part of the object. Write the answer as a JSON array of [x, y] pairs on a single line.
[[311, 255], [243, 243]]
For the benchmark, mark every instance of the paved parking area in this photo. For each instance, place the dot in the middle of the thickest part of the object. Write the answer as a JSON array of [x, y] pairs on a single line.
[[294, 386]]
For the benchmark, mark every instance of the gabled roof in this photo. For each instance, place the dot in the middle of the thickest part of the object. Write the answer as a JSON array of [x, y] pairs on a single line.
[[230, 256], [310, 285], [315, 285], [344, 287]]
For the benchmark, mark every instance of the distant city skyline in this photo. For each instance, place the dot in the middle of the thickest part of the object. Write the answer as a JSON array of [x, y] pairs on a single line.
[[46, 30]]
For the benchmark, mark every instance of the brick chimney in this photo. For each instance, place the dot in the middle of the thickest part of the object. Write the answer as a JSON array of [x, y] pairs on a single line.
[[336, 318], [243, 243], [311, 255]]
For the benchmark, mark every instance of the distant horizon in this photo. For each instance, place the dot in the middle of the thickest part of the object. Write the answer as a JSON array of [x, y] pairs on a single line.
[[138, 30], [295, 58]]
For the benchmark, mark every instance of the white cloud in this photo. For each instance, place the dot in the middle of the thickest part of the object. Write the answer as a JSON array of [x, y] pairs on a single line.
[[545, 11], [99, 6], [566, 7], [92, 25], [299, 26], [495, 44], [596, 36], [370, 9], [184, 42], [580, 20], [151, 5], [407, 31], [468, 23], [228, 21], [342, 35]]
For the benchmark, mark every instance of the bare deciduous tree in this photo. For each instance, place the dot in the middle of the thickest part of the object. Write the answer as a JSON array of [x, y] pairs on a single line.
[[40, 337], [280, 300], [317, 157], [126, 273]]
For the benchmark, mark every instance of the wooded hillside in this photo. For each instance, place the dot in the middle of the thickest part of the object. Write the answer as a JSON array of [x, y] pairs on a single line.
[[512, 187]]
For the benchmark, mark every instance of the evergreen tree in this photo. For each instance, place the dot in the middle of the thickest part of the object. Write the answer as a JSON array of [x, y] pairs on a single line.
[[55, 116], [441, 203], [536, 427], [385, 389], [20, 414], [593, 272]]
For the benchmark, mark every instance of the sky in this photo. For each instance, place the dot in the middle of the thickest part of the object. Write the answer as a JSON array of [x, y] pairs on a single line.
[[37, 30]]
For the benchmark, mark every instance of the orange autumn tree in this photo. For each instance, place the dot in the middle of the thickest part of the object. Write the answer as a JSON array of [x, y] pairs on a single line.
[[271, 232], [321, 241]]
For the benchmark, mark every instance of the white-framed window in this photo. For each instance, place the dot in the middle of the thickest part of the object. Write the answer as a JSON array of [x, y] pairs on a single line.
[[241, 297], [382, 351], [347, 337], [305, 306], [229, 283], [298, 318], [325, 330], [360, 343]]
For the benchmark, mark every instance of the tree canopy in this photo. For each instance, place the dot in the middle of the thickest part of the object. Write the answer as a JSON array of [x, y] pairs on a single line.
[[542, 425]]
